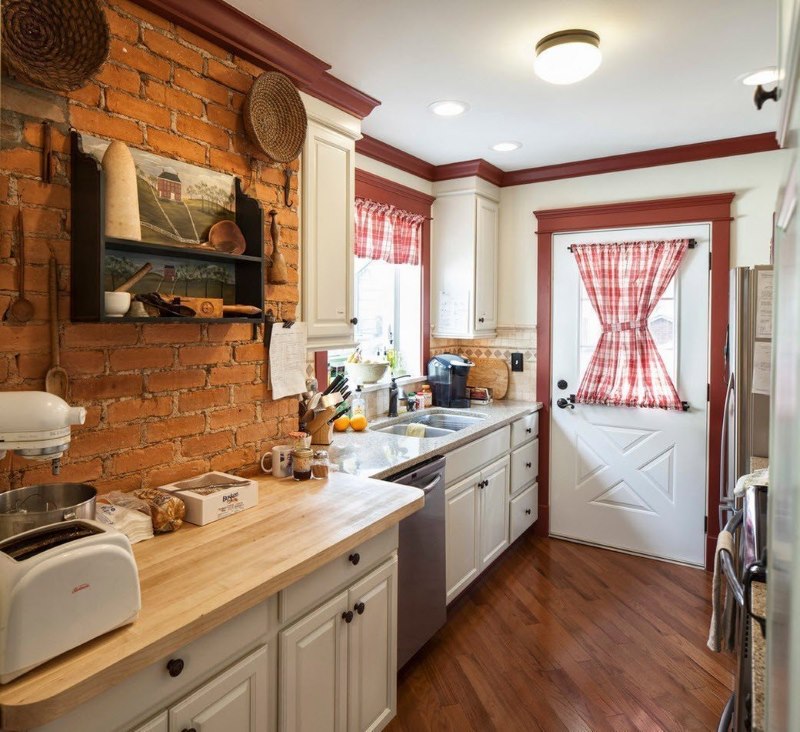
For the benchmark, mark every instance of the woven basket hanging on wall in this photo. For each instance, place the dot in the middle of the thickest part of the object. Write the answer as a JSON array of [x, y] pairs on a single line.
[[274, 117], [55, 44]]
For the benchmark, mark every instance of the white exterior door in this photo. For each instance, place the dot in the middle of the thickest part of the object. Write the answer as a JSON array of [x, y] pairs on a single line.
[[627, 478]]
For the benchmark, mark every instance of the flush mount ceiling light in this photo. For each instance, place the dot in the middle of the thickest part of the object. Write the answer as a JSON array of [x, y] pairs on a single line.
[[448, 107], [506, 146], [767, 75], [567, 56]]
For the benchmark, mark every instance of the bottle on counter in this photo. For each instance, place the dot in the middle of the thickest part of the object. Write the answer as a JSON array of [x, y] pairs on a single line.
[[321, 464], [358, 405], [301, 463], [427, 395]]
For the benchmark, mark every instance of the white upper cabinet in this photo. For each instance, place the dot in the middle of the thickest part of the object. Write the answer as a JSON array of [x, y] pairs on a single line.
[[327, 226], [464, 264]]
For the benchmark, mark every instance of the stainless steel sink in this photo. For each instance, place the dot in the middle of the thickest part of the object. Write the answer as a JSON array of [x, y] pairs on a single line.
[[437, 423], [400, 429]]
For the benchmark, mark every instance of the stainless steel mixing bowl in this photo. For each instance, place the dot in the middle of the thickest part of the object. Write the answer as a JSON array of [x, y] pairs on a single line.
[[26, 508]]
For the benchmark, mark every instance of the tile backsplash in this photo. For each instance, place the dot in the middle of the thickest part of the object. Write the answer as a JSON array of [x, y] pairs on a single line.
[[521, 384]]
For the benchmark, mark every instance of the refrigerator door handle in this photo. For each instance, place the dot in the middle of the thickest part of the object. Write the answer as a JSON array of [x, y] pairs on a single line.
[[725, 443]]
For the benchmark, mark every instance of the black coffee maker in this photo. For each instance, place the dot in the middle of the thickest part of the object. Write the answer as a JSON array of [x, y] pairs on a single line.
[[447, 375]]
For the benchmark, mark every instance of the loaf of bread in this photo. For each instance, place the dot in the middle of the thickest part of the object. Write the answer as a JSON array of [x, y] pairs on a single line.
[[166, 509]]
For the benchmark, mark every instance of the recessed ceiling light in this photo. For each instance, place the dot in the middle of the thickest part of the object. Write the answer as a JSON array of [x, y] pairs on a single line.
[[448, 107], [506, 146], [767, 75], [567, 56]]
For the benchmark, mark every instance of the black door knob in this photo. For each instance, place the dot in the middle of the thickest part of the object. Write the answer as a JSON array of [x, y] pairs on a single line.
[[175, 667], [359, 607], [354, 558], [347, 616], [354, 321], [760, 96], [564, 403]]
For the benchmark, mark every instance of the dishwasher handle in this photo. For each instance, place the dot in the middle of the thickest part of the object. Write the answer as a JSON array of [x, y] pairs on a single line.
[[428, 487]]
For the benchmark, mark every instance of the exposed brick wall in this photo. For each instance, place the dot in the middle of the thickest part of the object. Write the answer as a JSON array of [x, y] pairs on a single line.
[[164, 401]]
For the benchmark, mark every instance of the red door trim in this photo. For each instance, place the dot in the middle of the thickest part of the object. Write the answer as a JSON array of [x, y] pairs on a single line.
[[715, 209]]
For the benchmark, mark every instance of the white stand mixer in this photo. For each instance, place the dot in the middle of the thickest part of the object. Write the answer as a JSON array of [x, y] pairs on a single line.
[[36, 425]]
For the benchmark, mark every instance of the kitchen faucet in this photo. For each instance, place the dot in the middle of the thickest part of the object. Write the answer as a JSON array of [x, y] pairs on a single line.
[[393, 390]]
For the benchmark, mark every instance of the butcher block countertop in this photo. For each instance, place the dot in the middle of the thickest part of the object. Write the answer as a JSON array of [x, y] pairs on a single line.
[[199, 577]]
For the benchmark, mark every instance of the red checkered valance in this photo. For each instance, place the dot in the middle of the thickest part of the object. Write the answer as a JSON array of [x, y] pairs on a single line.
[[387, 233], [625, 282]]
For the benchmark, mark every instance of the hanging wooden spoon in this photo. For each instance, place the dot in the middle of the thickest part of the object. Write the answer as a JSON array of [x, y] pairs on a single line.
[[278, 272], [56, 381], [21, 309]]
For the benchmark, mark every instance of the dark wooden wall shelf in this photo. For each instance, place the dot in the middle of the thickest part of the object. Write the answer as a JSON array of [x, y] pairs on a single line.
[[89, 247]]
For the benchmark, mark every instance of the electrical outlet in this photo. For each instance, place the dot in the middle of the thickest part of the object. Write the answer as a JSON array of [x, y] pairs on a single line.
[[516, 362]]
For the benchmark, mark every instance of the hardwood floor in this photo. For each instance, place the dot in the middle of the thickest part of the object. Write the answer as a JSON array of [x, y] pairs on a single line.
[[560, 636]]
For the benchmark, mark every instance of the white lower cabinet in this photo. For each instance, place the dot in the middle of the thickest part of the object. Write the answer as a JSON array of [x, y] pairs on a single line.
[[157, 724], [338, 662], [476, 523], [524, 510]]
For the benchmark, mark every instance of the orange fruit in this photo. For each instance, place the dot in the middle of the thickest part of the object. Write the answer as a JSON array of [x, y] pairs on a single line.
[[342, 423], [358, 423]]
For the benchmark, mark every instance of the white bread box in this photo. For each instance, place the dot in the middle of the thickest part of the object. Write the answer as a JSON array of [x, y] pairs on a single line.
[[212, 496]]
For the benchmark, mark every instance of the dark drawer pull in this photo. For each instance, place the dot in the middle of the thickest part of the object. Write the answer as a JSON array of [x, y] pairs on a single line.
[[175, 667], [527, 512], [354, 558], [354, 321], [359, 607], [528, 465], [191, 729], [529, 430], [347, 616]]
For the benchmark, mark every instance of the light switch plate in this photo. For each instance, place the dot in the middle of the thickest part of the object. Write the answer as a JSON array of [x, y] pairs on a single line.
[[516, 362]]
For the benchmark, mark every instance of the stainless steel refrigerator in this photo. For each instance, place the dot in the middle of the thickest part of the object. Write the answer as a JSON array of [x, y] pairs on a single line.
[[745, 430]]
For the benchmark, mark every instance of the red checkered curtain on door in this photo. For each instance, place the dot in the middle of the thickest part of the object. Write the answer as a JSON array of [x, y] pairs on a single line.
[[388, 233], [625, 282]]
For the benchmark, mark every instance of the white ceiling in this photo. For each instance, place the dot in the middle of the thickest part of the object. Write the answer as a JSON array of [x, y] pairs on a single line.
[[668, 77]]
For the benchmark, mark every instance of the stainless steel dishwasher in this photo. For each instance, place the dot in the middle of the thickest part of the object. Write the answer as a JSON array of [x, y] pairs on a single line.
[[422, 593]]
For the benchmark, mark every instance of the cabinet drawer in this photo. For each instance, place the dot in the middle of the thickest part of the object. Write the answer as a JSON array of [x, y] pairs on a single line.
[[524, 511], [468, 459], [319, 585], [152, 688], [524, 465], [524, 429]]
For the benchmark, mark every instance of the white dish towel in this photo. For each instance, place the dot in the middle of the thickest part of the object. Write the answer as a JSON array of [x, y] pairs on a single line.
[[720, 634]]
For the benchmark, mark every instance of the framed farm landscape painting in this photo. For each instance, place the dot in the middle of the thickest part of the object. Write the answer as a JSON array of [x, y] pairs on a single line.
[[178, 202]]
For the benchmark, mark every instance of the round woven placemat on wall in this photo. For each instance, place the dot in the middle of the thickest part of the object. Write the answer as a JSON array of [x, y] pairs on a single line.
[[274, 117], [56, 44]]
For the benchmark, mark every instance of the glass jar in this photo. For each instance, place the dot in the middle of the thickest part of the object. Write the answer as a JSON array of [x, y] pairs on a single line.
[[301, 463], [320, 465]]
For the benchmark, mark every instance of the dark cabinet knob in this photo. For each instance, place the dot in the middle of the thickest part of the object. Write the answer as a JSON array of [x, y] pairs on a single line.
[[760, 96], [347, 616], [528, 465], [175, 667], [527, 512], [359, 607], [354, 321], [529, 430], [481, 320], [191, 729], [354, 558]]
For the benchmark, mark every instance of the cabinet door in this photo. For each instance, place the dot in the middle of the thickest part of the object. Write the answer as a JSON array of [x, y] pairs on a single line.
[[313, 671], [233, 701], [462, 532], [156, 724], [493, 512], [372, 650], [486, 236], [328, 230]]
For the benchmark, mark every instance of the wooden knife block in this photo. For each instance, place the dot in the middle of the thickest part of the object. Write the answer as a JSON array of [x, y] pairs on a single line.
[[322, 436]]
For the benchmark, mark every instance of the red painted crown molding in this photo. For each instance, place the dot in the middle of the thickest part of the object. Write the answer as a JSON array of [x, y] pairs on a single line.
[[385, 153], [744, 145], [374, 187], [235, 31]]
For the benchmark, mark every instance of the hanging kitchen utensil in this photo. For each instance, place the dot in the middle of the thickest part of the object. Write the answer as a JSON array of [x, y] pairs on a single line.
[[278, 271], [226, 236], [21, 309], [274, 117], [138, 275], [55, 44], [47, 152], [56, 381]]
